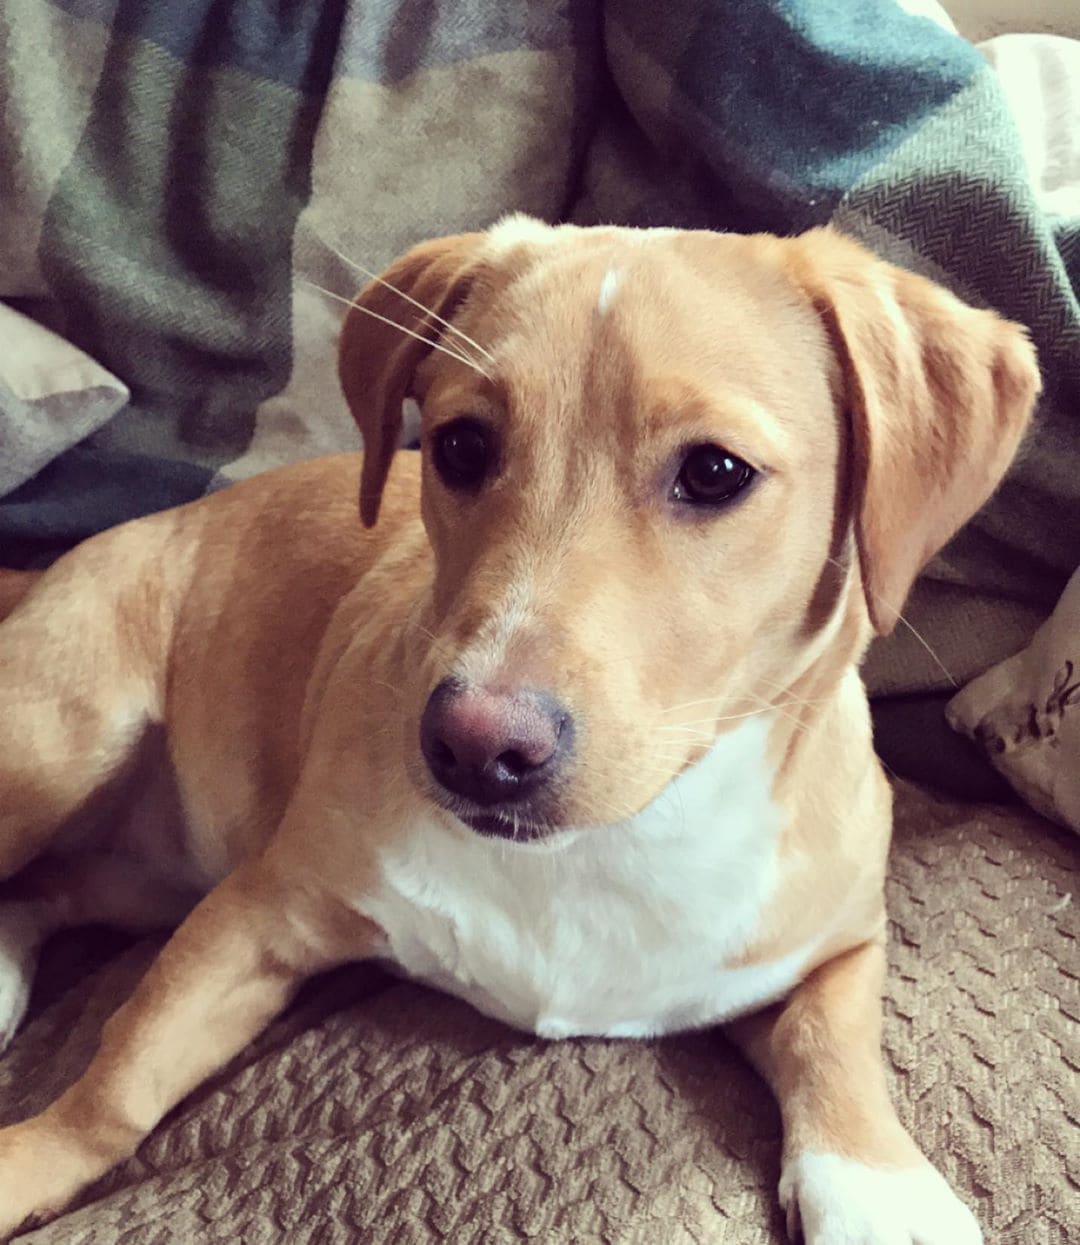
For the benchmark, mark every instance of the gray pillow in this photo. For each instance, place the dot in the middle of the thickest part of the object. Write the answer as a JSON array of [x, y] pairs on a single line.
[[51, 396]]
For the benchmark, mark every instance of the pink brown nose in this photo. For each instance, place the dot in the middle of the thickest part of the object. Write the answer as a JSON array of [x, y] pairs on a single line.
[[493, 747]]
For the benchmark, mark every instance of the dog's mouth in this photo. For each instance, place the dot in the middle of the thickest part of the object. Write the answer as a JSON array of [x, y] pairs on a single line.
[[513, 829], [509, 823]]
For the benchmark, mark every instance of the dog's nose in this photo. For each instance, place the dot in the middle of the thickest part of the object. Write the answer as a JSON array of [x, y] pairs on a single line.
[[493, 747]]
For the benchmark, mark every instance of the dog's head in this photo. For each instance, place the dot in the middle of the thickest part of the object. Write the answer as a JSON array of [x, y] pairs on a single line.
[[664, 474]]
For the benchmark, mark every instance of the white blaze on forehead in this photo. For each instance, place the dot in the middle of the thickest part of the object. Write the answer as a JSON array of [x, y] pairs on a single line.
[[517, 230], [608, 286]]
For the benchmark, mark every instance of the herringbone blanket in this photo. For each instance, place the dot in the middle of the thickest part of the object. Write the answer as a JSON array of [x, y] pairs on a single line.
[[171, 174], [378, 1112]]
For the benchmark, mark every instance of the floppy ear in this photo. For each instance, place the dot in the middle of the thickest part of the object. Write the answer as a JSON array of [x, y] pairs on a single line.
[[938, 394], [377, 359]]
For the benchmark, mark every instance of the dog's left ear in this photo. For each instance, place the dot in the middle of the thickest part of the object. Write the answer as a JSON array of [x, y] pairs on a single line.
[[939, 395], [377, 355]]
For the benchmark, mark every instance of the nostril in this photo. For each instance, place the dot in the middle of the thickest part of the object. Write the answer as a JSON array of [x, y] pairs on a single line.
[[442, 754], [515, 763]]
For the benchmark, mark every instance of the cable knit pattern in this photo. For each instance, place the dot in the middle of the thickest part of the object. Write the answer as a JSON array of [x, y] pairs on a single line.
[[379, 1111]]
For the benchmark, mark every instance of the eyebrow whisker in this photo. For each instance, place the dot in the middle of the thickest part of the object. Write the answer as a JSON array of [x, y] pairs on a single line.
[[435, 345], [374, 276]]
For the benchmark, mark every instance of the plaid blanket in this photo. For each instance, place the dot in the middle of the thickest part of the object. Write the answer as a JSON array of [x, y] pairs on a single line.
[[171, 176]]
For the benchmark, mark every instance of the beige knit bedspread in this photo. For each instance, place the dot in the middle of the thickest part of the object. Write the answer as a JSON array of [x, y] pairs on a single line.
[[379, 1112]]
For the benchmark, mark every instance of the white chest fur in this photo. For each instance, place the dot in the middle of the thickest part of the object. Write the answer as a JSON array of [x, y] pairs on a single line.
[[619, 930]]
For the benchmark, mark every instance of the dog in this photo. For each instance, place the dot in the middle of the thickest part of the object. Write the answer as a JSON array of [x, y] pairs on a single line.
[[570, 725]]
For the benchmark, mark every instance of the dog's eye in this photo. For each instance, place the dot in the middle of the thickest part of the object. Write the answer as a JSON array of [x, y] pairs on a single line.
[[462, 453], [709, 476]]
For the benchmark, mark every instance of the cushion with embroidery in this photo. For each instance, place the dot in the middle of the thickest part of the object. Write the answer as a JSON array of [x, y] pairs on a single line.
[[1025, 713]]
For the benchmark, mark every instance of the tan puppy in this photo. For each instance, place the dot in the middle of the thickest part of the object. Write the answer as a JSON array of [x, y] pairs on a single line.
[[575, 731]]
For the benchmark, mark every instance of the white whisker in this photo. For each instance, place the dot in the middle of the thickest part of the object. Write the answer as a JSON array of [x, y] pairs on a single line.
[[374, 276], [690, 704], [900, 618], [777, 708], [934, 657], [435, 345]]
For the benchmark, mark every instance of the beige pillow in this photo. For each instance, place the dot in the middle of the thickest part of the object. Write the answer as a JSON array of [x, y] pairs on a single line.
[[1025, 713]]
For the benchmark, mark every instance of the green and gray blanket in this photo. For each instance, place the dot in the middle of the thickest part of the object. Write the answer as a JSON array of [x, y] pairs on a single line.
[[171, 176]]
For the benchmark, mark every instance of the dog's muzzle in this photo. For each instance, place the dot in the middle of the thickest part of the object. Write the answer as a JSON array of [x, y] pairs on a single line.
[[496, 756]]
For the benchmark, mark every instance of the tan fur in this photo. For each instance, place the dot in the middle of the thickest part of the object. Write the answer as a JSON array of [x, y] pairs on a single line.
[[820, 1054], [14, 585], [281, 655]]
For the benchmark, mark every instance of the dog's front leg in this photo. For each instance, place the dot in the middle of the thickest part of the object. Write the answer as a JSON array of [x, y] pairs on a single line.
[[851, 1173], [227, 971]]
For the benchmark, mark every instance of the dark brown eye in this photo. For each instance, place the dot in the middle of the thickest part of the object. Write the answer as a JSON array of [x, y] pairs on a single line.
[[710, 476], [462, 454]]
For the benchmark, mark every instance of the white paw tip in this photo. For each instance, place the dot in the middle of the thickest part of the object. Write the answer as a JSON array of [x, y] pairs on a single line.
[[840, 1201]]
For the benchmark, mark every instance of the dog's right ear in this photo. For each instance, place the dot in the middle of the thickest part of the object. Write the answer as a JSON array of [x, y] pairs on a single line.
[[378, 356]]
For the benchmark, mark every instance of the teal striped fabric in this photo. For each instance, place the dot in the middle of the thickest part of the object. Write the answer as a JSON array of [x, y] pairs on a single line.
[[171, 176]]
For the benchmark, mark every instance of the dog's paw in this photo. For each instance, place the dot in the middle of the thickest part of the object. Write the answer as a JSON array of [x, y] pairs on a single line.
[[838, 1201], [19, 938]]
